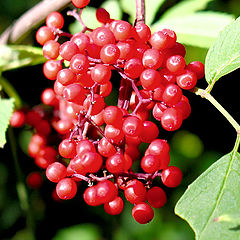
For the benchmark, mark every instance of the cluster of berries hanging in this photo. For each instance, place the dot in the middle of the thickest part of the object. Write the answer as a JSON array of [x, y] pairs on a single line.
[[99, 142]]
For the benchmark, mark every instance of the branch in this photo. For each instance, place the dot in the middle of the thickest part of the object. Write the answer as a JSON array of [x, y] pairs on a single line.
[[33, 17]]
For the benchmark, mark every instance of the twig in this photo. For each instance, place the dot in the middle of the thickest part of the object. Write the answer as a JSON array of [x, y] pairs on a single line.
[[16, 32]]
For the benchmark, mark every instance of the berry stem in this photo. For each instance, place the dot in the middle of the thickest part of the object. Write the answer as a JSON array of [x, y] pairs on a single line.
[[140, 11], [149, 177], [205, 94], [77, 16]]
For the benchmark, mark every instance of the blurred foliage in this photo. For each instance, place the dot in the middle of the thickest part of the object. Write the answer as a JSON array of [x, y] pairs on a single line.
[[73, 219]]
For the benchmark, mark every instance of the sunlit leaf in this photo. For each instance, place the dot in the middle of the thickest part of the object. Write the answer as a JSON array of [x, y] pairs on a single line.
[[211, 195], [113, 7], [200, 29], [6, 109], [224, 56], [184, 8], [16, 56]]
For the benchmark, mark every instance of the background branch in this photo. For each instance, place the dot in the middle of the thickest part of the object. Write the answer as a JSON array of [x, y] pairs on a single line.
[[16, 32]]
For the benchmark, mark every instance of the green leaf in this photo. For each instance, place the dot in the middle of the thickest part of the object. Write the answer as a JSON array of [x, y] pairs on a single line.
[[113, 7], [199, 29], [83, 232], [224, 56], [184, 8], [16, 56], [88, 17], [152, 7], [129, 7], [196, 53], [211, 195], [6, 109]]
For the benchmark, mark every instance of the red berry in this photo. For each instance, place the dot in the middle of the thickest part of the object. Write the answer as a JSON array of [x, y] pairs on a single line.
[[17, 119], [135, 192], [132, 126], [66, 188], [55, 20], [44, 34], [80, 3], [56, 171], [67, 148], [106, 191], [102, 36], [156, 197], [114, 207], [115, 163], [171, 176], [51, 49], [109, 53], [150, 163], [34, 180], [171, 119], [142, 213], [102, 15]]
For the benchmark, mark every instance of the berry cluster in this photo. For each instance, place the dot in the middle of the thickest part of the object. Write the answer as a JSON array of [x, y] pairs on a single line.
[[99, 142]]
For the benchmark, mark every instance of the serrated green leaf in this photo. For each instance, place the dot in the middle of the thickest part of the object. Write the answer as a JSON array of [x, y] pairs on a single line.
[[88, 17], [200, 29], [212, 194], [184, 8], [6, 109], [224, 56], [16, 56], [113, 7]]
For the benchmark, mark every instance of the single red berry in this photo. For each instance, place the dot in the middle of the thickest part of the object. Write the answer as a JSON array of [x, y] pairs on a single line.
[[171, 119], [80, 3], [56, 171], [55, 20], [114, 207], [135, 192], [142, 213], [105, 148], [156, 197], [66, 188], [67, 148], [102, 15], [102, 36], [171, 176], [115, 163], [34, 180], [109, 53], [132, 126], [106, 191], [187, 80], [17, 119], [44, 34]]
